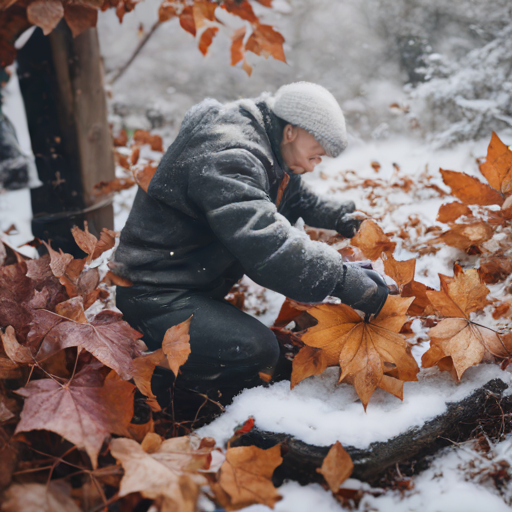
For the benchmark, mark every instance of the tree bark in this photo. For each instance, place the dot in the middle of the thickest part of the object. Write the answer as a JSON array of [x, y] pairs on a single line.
[[61, 80]]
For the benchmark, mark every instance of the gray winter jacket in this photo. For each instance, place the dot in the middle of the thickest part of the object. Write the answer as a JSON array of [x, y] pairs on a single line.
[[209, 215]]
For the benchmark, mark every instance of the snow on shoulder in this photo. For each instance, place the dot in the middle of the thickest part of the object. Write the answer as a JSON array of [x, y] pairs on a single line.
[[320, 412]]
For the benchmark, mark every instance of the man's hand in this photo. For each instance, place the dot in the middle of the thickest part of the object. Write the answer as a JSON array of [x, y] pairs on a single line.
[[362, 289], [349, 223]]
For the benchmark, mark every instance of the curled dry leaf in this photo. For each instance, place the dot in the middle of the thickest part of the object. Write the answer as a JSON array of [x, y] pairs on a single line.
[[290, 311], [163, 469], [84, 410], [465, 236], [143, 368], [17, 353], [113, 279], [206, 39], [176, 345], [266, 41], [143, 176], [497, 167], [402, 272], [336, 467], [456, 342], [245, 477], [372, 241], [116, 185], [450, 212], [45, 14], [309, 361], [237, 46], [363, 349], [470, 190], [80, 17], [30, 497], [495, 268], [241, 9], [107, 337], [93, 247], [421, 304]]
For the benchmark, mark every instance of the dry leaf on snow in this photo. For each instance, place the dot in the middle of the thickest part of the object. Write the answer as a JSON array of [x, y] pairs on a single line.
[[456, 342], [245, 477], [450, 212], [471, 190], [336, 467], [372, 241], [363, 348], [497, 167], [402, 272]]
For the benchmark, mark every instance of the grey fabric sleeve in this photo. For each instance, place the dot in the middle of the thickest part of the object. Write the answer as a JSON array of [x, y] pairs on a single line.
[[317, 211], [231, 190]]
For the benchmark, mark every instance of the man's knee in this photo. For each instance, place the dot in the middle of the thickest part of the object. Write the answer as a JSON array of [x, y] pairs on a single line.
[[259, 349]]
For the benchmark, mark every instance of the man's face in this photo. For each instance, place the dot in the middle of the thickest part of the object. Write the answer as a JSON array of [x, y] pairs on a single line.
[[300, 150]]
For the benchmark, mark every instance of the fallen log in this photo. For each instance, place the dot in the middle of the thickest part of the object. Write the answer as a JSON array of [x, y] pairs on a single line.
[[300, 460]]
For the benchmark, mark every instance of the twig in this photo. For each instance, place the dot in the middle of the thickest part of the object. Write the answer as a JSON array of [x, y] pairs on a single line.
[[137, 50]]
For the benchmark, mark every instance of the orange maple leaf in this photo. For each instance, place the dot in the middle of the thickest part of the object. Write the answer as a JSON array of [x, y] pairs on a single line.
[[456, 342], [365, 351], [245, 477], [371, 240], [336, 467], [497, 167]]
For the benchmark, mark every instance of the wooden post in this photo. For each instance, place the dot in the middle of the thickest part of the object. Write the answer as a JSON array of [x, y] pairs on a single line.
[[61, 81]]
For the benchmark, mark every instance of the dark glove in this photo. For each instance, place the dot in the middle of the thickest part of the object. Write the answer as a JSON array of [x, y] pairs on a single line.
[[361, 289], [349, 223]]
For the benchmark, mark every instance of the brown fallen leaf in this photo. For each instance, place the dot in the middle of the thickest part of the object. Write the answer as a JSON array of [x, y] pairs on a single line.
[[245, 477], [93, 247], [495, 268], [80, 17], [372, 241], [464, 236], [290, 311], [116, 185], [309, 361], [45, 14], [143, 368], [113, 279], [450, 212], [471, 190], [497, 167], [176, 346], [421, 304], [363, 348], [107, 337], [17, 353], [143, 176], [163, 469], [456, 341], [336, 467], [402, 272], [31, 497], [83, 410]]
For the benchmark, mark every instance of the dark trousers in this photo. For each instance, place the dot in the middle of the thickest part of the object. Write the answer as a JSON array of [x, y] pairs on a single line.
[[228, 347]]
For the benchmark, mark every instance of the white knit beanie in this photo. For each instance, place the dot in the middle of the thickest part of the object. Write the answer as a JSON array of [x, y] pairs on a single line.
[[313, 108]]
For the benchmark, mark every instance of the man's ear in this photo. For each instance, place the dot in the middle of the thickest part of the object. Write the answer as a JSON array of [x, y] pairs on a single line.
[[289, 133]]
